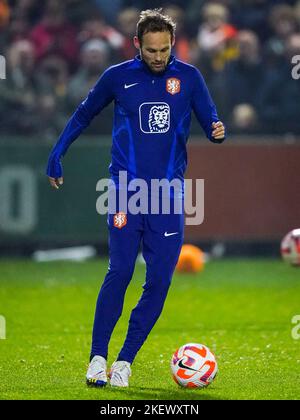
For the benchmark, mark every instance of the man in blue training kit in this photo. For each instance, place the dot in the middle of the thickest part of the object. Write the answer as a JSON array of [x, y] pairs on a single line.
[[154, 95]]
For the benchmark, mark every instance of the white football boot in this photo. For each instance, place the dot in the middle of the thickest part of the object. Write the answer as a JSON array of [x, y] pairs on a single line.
[[96, 374], [119, 374]]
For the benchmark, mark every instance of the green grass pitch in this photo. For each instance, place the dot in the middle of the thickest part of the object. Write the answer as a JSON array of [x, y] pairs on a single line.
[[241, 309]]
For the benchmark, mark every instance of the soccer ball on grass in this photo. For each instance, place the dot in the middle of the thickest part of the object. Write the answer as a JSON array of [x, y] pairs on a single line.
[[191, 259], [193, 366], [290, 248]]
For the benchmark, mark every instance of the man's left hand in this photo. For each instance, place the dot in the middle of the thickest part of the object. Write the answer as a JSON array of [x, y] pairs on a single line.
[[218, 130]]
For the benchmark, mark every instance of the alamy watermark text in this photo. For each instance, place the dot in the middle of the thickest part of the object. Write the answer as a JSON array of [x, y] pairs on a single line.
[[2, 328], [296, 328], [2, 67], [296, 68], [160, 196]]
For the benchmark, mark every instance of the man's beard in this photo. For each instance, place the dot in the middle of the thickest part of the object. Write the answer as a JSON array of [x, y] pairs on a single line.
[[153, 68], [158, 69]]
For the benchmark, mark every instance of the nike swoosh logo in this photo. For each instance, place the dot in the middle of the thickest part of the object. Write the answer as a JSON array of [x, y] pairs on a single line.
[[170, 234], [129, 86], [182, 366]]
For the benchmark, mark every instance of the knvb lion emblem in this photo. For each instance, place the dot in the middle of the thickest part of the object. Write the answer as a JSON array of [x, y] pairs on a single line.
[[120, 220], [154, 117], [173, 85]]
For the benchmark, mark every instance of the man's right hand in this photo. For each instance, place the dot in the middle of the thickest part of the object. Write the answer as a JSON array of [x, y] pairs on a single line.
[[55, 171], [55, 182]]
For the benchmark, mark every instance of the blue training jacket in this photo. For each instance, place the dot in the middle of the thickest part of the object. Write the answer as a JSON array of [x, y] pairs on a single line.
[[152, 117]]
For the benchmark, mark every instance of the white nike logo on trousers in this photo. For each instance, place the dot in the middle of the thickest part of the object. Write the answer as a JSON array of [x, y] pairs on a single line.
[[128, 86], [170, 234]]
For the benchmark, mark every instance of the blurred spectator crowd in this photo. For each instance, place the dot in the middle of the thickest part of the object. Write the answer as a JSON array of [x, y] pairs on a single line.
[[55, 51]]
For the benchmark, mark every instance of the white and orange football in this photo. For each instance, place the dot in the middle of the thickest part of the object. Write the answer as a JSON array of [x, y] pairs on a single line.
[[194, 366], [290, 248]]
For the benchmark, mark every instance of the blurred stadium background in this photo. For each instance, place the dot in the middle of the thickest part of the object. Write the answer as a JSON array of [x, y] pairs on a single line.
[[55, 51]]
